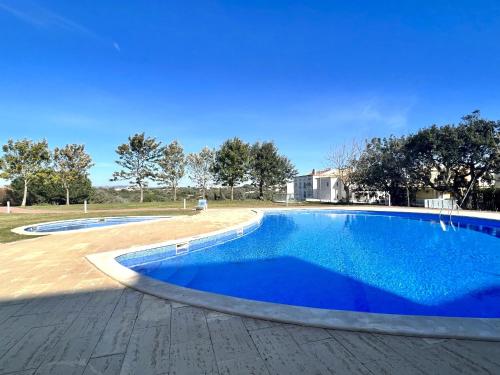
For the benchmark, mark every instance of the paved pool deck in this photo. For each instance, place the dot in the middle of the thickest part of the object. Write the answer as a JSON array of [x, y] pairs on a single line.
[[60, 315]]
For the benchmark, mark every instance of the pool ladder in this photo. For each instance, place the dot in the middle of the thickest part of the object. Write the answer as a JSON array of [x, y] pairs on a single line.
[[454, 206]]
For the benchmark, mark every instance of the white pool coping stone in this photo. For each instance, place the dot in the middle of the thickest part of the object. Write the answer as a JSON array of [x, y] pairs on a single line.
[[24, 229], [409, 325]]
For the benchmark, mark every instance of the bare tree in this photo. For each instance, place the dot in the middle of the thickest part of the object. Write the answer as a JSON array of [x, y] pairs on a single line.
[[343, 160]]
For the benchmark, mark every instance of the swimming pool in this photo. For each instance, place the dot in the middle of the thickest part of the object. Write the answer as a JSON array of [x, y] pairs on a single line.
[[81, 224], [375, 262]]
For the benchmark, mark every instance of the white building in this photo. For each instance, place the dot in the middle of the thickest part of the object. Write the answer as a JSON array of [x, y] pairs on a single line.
[[325, 186], [317, 185]]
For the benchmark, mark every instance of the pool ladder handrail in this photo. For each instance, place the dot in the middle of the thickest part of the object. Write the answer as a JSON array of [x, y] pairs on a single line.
[[450, 214], [459, 206]]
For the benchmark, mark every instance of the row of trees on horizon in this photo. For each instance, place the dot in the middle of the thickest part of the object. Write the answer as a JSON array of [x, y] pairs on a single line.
[[144, 159], [452, 158]]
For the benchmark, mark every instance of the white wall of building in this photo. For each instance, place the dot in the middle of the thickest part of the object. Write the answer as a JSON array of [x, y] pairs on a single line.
[[325, 187], [303, 187]]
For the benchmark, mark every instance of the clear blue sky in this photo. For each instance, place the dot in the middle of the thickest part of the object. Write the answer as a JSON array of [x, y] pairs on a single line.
[[306, 74]]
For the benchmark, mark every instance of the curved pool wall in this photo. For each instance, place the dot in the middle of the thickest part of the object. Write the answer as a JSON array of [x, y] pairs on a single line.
[[80, 225], [192, 245], [122, 265]]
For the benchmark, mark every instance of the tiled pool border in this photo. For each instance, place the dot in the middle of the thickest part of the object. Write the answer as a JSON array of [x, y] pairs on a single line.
[[413, 325], [196, 243]]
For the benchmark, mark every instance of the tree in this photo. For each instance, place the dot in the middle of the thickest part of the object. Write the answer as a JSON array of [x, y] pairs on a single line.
[[71, 163], [172, 164], [231, 163], [480, 153], [24, 159], [46, 188], [200, 169], [385, 164], [138, 158], [343, 160], [453, 158], [268, 168]]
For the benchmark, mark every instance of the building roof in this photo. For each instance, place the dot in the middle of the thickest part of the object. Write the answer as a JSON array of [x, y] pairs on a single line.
[[329, 172]]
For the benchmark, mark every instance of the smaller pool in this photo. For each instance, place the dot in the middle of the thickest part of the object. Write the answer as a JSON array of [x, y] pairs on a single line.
[[78, 224]]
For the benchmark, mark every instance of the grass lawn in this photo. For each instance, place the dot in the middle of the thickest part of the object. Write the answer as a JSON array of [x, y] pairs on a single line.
[[8, 222], [157, 205], [75, 211]]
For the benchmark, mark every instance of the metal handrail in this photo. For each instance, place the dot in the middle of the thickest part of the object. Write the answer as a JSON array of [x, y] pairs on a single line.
[[459, 206], [450, 214], [440, 211], [443, 207], [455, 204]]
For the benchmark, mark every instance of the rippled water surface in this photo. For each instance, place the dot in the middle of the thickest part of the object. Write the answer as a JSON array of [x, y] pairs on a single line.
[[383, 263]]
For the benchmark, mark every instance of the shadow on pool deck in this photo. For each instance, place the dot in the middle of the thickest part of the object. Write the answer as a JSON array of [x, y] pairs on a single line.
[[122, 331], [303, 283]]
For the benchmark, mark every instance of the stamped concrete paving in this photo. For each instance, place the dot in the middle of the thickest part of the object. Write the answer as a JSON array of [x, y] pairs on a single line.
[[59, 315]]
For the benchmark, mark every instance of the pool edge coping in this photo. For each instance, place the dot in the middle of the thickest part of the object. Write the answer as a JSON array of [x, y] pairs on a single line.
[[487, 329], [22, 230]]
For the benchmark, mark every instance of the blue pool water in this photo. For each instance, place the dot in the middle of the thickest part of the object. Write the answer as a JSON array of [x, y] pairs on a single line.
[[68, 225], [383, 263]]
